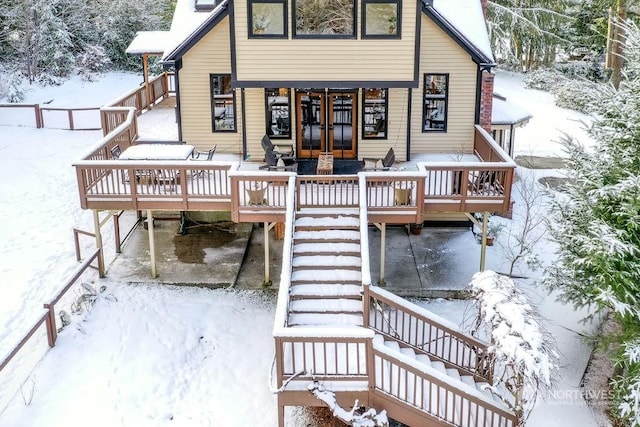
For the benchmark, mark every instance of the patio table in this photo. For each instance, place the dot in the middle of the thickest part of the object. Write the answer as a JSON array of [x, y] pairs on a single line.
[[157, 152]]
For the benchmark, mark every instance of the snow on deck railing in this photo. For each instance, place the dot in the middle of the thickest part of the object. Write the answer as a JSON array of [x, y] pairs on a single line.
[[364, 234], [282, 308]]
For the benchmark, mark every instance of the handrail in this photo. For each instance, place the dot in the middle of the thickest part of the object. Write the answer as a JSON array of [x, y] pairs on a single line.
[[327, 190], [433, 392], [427, 333]]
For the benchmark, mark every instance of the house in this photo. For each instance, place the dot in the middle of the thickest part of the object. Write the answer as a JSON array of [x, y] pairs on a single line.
[[413, 75], [345, 80]]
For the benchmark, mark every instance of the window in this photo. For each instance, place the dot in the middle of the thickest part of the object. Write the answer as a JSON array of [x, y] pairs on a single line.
[[267, 18], [324, 18], [381, 19], [223, 103], [278, 117], [434, 111], [374, 116]]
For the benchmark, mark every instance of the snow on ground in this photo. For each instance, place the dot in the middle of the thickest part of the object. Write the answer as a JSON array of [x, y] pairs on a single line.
[[549, 123], [149, 356]]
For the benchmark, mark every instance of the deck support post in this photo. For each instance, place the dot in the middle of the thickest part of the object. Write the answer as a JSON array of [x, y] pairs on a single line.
[[483, 245], [152, 244], [383, 243], [98, 234], [267, 274]]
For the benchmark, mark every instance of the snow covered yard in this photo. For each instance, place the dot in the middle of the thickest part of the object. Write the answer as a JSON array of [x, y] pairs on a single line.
[[149, 356]]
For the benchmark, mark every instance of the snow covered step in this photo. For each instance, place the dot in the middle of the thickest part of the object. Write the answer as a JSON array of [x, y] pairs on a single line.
[[320, 248], [347, 277], [439, 366], [328, 223], [329, 290], [327, 236], [423, 358], [392, 345], [325, 319], [325, 306], [408, 352], [453, 373], [332, 211], [328, 261]]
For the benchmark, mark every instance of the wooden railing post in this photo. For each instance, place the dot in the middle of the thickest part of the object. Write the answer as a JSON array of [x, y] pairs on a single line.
[[52, 332]]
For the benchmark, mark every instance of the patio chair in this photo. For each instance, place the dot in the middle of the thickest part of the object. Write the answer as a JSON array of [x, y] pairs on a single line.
[[204, 155], [276, 163], [280, 150], [384, 164]]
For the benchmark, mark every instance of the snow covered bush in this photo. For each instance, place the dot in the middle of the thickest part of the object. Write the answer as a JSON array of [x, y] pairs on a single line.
[[526, 357], [577, 94], [543, 79], [91, 60], [596, 222], [12, 88]]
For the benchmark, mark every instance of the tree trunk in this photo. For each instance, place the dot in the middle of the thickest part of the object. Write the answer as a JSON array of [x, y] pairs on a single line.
[[617, 57]]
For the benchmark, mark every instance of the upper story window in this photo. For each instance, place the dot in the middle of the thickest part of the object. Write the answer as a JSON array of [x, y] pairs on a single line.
[[434, 111], [381, 18], [223, 103], [374, 115], [278, 119], [267, 18], [324, 18]]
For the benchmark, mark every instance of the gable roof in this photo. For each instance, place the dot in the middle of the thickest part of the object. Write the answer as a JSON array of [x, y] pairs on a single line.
[[463, 21], [188, 37]]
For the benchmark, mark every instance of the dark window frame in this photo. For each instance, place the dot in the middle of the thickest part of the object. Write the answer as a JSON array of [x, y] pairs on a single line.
[[213, 105], [426, 96], [267, 118], [363, 14], [294, 25], [285, 17], [386, 116]]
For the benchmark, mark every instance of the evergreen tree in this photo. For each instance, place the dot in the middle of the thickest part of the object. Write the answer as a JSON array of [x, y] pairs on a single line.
[[597, 222], [527, 33]]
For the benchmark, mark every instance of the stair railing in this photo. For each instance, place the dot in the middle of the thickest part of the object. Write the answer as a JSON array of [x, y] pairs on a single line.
[[427, 333], [398, 376]]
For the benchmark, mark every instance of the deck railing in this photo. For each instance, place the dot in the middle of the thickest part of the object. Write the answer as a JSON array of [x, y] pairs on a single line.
[[424, 332], [394, 198], [327, 191], [260, 197], [397, 376]]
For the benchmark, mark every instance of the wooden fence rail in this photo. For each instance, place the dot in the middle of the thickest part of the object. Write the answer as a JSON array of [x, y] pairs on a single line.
[[48, 315]]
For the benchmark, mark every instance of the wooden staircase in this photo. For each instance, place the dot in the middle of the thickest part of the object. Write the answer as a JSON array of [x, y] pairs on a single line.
[[364, 343], [326, 282]]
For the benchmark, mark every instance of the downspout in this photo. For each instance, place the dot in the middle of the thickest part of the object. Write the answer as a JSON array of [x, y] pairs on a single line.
[[408, 154], [244, 128], [177, 67]]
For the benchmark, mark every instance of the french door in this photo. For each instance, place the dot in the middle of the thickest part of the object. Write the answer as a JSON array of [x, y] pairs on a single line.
[[326, 122]]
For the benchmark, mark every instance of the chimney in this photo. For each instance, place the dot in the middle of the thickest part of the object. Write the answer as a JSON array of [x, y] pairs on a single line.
[[486, 100], [484, 8]]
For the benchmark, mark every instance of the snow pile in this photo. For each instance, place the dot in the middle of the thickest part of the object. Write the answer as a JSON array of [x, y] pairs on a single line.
[[358, 416], [525, 353]]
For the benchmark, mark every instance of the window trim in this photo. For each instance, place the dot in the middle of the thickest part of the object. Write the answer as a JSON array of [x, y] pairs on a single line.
[[294, 26], [386, 116], [285, 17], [266, 112], [425, 96], [363, 12], [213, 106]]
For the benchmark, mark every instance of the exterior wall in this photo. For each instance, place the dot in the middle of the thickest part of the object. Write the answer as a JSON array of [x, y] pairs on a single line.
[[396, 128], [211, 55], [330, 60], [440, 54]]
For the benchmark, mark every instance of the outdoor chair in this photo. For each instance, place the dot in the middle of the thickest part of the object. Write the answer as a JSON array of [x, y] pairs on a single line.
[[202, 156], [384, 164], [279, 163], [280, 150]]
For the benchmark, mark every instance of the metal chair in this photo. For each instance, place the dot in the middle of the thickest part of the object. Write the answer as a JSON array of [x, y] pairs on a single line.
[[203, 155]]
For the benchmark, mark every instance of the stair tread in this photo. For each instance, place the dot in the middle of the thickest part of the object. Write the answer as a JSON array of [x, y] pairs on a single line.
[[326, 247], [335, 222], [333, 289], [326, 260], [325, 320], [324, 276], [325, 306], [320, 235]]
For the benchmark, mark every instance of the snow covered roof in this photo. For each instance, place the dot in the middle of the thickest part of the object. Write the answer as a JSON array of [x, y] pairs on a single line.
[[149, 42], [506, 113], [464, 21], [189, 26]]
